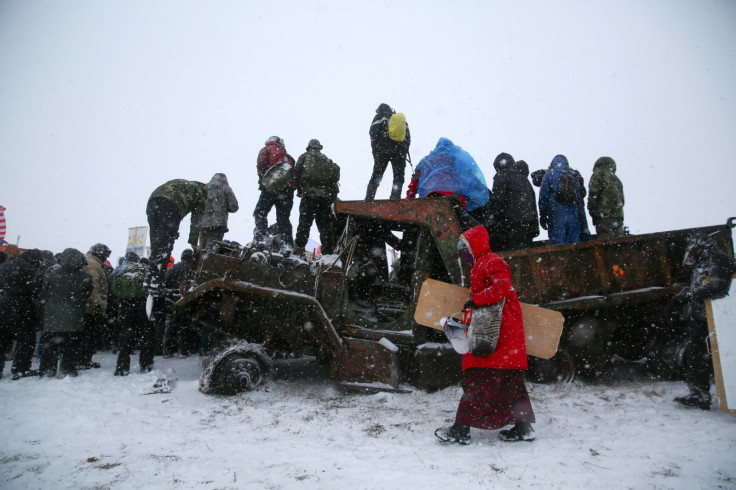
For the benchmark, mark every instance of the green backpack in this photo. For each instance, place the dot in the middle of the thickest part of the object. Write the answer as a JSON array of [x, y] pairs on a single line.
[[129, 282], [320, 171]]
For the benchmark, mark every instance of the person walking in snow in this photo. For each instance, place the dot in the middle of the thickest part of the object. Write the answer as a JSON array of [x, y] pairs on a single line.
[[709, 279], [388, 146], [220, 202], [606, 199], [65, 292], [317, 180], [272, 154], [494, 394], [513, 204]]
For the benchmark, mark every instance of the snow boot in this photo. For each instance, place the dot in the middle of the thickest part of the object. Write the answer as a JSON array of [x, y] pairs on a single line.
[[458, 433], [121, 372], [69, 372], [522, 431], [23, 374], [694, 400]]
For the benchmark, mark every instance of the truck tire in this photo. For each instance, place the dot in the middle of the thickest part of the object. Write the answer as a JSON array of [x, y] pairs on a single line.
[[237, 373], [239, 368]]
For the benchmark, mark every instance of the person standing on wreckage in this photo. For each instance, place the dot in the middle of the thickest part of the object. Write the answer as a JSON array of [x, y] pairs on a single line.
[[494, 393]]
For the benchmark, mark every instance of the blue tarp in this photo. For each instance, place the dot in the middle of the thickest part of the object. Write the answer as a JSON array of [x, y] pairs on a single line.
[[449, 168]]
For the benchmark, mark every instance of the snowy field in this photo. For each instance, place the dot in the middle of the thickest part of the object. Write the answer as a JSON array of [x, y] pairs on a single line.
[[156, 430]]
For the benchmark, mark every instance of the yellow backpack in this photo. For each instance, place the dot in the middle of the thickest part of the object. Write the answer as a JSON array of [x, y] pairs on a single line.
[[397, 127]]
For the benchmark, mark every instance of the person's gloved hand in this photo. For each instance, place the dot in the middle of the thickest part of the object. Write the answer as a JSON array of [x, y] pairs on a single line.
[[543, 222], [684, 296]]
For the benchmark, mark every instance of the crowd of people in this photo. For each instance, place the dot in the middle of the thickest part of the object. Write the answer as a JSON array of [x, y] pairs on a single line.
[[64, 308], [509, 210], [83, 305], [79, 303]]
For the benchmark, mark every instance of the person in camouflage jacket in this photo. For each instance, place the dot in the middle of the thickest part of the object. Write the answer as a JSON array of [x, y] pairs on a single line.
[[167, 206], [317, 180], [606, 199]]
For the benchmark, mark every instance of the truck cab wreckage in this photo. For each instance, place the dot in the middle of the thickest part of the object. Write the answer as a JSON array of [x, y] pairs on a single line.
[[355, 313]]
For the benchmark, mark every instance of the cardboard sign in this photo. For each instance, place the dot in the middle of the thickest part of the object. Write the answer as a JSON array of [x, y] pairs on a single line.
[[542, 327], [721, 315]]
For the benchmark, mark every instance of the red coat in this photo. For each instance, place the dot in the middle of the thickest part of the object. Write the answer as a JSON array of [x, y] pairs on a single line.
[[270, 155], [490, 282]]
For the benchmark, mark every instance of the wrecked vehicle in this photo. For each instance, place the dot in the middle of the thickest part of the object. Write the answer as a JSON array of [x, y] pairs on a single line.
[[354, 311]]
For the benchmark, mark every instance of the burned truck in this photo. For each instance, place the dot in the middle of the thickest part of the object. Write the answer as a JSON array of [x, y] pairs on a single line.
[[353, 311]]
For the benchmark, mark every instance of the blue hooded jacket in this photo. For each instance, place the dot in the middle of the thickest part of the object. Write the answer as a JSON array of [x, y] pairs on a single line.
[[448, 168], [563, 221]]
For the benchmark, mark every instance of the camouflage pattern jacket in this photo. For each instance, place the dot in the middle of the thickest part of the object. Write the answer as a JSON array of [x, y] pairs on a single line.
[[605, 191], [190, 197]]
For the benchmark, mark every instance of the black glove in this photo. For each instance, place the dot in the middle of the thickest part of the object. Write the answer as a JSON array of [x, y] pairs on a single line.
[[543, 222], [684, 296], [596, 220]]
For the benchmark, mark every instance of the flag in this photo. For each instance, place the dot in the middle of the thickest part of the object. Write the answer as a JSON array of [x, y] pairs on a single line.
[[2, 224]]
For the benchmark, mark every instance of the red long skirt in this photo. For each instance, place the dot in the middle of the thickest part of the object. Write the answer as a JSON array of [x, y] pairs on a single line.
[[493, 398]]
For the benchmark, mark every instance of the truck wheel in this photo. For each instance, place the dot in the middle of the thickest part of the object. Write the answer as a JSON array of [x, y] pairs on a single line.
[[237, 373], [559, 369]]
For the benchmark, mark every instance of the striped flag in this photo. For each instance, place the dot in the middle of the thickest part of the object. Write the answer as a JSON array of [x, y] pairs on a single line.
[[2, 224]]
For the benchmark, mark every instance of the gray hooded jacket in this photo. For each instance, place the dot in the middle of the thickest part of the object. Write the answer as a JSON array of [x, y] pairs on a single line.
[[220, 201]]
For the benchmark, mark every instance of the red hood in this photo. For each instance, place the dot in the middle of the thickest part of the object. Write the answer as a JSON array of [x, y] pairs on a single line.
[[477, 238]]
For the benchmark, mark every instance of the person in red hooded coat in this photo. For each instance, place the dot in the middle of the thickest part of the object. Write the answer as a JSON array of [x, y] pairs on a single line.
[[494, 394]]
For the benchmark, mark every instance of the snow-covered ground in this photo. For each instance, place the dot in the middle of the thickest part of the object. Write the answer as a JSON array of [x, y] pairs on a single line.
[[156, 430]]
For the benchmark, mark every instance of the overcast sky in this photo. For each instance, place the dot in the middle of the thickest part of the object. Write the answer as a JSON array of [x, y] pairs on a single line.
[[102, 101]]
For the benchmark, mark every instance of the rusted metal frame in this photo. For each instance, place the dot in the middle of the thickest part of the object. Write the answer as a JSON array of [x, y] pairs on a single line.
[[665, 264], [310, 303], [603, 271], [436, 214]]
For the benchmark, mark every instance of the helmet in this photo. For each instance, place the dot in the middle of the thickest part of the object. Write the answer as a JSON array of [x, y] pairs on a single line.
[[187, 255], [314, 143], [100, 250]]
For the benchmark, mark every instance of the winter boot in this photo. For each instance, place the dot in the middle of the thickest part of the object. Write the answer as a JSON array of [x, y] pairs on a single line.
[[23, 374], [522, 431], [121, 372], [68, 372], [695, 400], [458, 433]]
